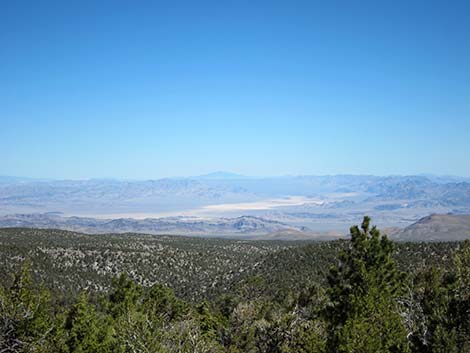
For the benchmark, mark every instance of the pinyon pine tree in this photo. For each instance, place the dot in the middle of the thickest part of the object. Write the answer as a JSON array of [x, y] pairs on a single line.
[[364, 290]]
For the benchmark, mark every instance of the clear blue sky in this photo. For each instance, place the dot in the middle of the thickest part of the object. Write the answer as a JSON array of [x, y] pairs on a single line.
[[148, 89]]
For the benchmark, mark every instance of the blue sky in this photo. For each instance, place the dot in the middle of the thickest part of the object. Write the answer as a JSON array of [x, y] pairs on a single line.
[[149, 89]]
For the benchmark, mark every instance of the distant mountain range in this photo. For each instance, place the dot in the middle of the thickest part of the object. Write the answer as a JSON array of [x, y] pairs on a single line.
[[436, 227], [239, 227], [221, 186], [328, 203]]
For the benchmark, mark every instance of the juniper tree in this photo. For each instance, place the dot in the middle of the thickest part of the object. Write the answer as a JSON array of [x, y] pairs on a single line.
[[85, 330]]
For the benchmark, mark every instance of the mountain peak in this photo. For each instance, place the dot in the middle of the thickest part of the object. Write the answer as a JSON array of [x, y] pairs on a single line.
[[221, 175]]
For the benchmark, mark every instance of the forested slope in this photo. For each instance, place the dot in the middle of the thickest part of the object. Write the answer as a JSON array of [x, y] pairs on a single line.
[[69, 292]]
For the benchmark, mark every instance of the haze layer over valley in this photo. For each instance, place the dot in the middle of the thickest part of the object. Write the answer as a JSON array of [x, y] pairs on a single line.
[[227, 204]]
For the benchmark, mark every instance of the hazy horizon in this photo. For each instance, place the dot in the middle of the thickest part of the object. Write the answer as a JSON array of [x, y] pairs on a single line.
[[229, 174]]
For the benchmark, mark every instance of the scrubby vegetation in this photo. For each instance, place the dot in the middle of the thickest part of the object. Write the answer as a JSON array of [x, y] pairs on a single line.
[[69, 292]]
